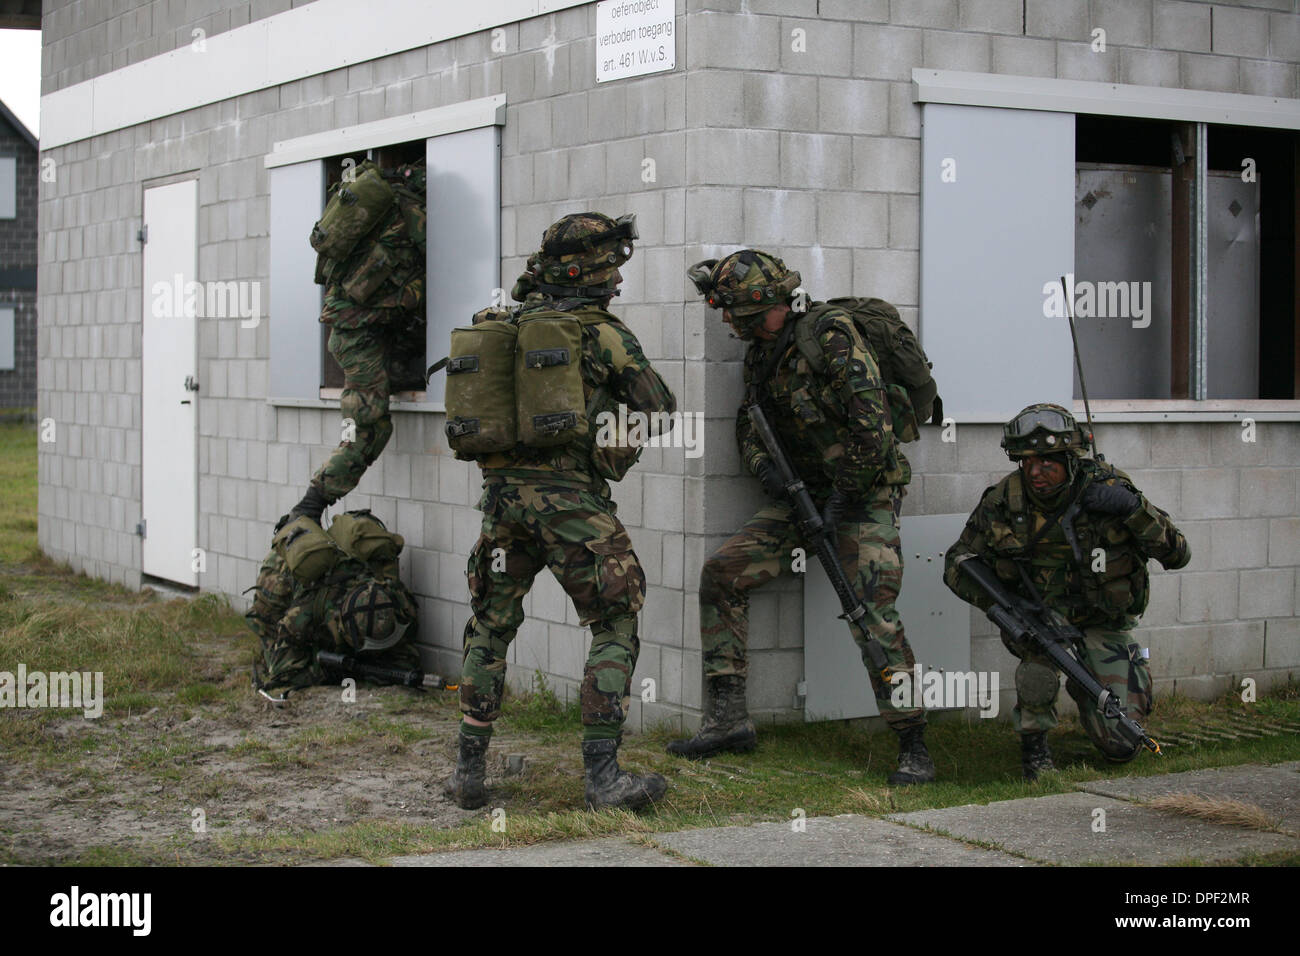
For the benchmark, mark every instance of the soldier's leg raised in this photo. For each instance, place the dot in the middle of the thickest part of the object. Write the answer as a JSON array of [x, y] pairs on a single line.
[[1115, 659], [872, 556], [366, 424], [501, 570], [590, 554], [750, 558], [1038, 683]]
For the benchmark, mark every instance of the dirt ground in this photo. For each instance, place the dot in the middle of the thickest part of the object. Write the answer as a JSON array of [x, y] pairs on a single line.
[[250, 767]]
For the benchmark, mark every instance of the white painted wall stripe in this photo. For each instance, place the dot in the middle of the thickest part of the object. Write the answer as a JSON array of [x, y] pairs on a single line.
[[1107, 99], [319, 37]]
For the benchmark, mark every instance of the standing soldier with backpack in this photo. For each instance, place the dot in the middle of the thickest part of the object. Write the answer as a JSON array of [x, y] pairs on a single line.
[[371, 246], [820, 374], [524, 392]]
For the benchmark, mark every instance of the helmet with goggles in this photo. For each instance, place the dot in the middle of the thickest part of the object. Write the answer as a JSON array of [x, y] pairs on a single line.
[[580, 255], [1044, 429], [745, 284]]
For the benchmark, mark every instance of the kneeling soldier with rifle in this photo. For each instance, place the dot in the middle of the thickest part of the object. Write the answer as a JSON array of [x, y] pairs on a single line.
[[816, 429], [329, 604], [1056, 553]]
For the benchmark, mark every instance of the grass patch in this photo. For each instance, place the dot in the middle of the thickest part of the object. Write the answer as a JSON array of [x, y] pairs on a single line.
[[18, 443], [540, 712]]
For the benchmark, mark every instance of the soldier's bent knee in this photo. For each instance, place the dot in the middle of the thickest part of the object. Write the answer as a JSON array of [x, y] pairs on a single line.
[[1036, 684]]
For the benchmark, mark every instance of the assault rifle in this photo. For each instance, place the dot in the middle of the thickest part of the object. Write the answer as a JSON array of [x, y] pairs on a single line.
[[338, 666], [1020, 619], [814, 531]]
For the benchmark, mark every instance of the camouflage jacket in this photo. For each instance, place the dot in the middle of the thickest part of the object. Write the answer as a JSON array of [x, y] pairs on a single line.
[[1111, 586], [386, 270], [614, 370], [835, 428]]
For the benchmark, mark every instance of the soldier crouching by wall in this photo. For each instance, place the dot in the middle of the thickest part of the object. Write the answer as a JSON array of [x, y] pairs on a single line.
[[336, 591], [1091, 570]]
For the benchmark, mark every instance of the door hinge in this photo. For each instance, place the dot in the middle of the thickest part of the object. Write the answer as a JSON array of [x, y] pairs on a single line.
[[141, 528], [142, 234]]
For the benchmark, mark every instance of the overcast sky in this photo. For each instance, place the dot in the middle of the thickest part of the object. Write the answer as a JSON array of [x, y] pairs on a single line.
[[20, 75]]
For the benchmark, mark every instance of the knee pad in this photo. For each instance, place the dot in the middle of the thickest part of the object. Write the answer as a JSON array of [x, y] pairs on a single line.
[[1036, 684]]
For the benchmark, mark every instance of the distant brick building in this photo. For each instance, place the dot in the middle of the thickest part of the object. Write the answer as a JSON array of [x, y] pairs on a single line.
[[952, 157], [18, 200]]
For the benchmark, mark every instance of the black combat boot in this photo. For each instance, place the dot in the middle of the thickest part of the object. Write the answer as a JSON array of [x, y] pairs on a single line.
[[914, 763], [312, 505], [608, 786], [726, 725], [1035, 758], [466, 785]]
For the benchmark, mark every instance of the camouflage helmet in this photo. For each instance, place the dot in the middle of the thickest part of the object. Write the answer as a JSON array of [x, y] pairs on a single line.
[[580, 255], [371, 618], [1044, 429], [745, 284]]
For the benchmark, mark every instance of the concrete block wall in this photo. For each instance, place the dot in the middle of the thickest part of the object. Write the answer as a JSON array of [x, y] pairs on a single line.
[[810, 153], [83, 39]]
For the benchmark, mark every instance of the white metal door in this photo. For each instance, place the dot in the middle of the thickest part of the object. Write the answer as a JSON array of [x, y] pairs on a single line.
[[169, 386], [936, 622]]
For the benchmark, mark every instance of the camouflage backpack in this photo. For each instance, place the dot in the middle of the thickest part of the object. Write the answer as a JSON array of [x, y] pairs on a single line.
[[912, 392], [373, 231], [516, 380]]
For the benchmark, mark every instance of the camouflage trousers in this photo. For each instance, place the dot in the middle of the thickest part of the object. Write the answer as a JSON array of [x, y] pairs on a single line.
[[1110, 655], [576, 534], [362, 352], [869, 551]]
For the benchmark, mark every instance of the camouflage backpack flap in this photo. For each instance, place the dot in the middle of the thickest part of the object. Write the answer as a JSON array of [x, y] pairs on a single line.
[[306, 549], [364, 537], [353, 209], [480, 394], [910, 388], [549, 397]]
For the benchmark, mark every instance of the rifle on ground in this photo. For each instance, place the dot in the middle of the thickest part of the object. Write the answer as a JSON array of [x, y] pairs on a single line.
[[338, 666], [1020, 619], [814, 531]]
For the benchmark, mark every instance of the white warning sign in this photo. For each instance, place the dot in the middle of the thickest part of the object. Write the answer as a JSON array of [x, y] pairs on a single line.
[[634, 37]]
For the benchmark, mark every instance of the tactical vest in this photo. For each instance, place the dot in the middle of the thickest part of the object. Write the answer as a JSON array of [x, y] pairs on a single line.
[[1113, 583], [910, 389], [516, 380]]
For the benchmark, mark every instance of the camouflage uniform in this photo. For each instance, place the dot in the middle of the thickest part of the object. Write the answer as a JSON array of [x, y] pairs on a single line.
[[550, 507], [835, 426], [837, 433], [365, 336], [1013, 528], [294, 620]]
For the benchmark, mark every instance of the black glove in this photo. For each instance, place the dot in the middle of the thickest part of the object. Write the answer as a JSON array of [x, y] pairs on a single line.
[[833, 510], [1109, 500], [770, 476]]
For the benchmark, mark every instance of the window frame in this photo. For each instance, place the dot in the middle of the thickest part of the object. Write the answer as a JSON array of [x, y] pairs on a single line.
[[1110, 99], [427, 125]]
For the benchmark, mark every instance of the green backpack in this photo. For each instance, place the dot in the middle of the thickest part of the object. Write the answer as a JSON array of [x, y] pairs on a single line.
[[353, 209], [912, 392], [514, 381]]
